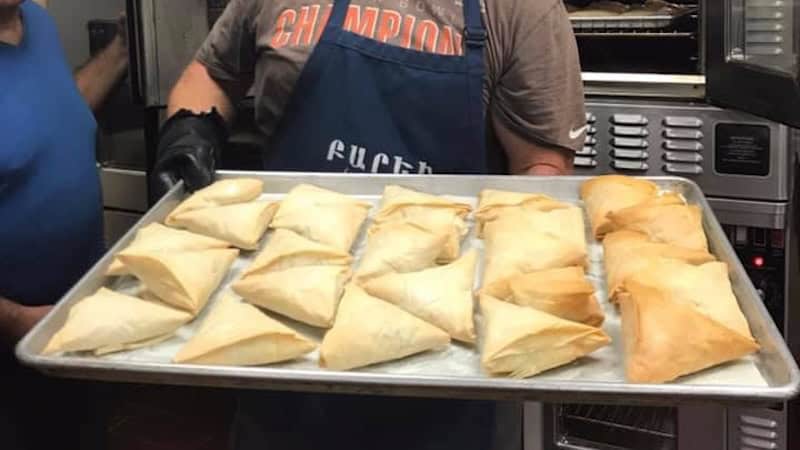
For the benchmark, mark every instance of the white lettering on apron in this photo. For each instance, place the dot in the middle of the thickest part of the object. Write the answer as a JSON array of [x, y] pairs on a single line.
[[336, 149], [357, 157], [381, 159], [424, 168], [401, 166]]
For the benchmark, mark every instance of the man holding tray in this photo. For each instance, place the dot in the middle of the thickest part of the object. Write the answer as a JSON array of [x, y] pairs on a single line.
[[381, 86]]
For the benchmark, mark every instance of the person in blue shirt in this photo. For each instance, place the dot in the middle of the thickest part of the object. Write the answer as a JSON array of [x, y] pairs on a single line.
[[50, 208]]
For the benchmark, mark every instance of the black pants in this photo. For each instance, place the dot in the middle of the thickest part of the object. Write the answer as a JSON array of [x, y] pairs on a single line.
[[44, 413], [296, 421]]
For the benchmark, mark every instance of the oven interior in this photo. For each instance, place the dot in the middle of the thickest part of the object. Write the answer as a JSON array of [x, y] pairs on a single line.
[[638, 36]]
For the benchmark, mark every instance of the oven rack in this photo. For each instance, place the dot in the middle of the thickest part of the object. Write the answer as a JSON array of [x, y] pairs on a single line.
[[618, 427]]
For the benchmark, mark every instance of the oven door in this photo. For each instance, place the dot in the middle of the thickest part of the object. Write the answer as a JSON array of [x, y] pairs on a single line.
[[753, 57], [164, 36]]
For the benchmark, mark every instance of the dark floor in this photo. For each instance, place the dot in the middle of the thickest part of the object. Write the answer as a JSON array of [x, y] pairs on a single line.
[[151, 417]]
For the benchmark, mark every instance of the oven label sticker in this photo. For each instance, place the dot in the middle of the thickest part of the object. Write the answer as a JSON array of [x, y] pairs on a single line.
[[742, 149]]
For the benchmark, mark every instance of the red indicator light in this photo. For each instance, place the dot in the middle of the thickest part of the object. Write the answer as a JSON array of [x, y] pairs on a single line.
[[758, 261]]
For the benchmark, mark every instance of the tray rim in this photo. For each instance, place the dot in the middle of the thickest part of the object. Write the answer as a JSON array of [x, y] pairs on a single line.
[[473, 387]]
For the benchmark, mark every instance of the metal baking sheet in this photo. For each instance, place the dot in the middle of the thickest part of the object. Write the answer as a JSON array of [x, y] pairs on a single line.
[[770, 375]]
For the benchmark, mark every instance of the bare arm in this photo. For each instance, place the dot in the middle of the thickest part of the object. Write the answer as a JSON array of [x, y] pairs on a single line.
[[96, 79], [16, 320], [198, 92], [529, 158]]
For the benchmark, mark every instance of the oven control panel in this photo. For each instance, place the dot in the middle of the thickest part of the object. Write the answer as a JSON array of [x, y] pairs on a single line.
[[728, 153], [762, 252]]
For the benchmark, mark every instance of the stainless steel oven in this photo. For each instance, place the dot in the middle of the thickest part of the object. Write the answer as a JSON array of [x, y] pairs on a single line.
[[710, 91]]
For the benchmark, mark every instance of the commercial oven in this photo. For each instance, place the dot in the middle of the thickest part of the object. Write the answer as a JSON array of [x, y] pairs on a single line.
[[710, 91], [703, 89]]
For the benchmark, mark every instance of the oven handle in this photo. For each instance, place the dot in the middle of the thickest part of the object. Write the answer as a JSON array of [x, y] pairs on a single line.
[[132, 15]]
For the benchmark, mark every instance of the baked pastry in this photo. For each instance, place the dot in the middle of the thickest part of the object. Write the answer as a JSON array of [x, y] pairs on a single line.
[[677, 224], [222, 192], [493, 202], [705, 286], [521, 342], [369, 330], [665, 339], [440, 295], [563, 292], [183, 279], [435, 213], [109, 321], [604, 194], [286, 249], [237, 334], [520, 243], [399, 247], [321, 215], [241, 224], [309, 294], [156, 237], [626, 252]]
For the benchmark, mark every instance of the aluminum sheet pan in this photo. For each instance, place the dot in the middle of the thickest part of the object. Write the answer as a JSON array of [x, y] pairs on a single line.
[[770, 375]]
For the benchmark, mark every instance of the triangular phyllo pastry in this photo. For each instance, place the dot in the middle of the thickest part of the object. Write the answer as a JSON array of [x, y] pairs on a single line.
[[604, 194], [493, 202], [182, 279], [399, 247], [321, 215], [627, 252], [369, 330], [286, 249], [665, 339], [440, 295], [563, 292], [435, 213], [705, 286], [241, 224], [237, 334], [222, 192], [157, 237], [515, 246], [309, 294], [108, 320], [521, 342], [676, 224]]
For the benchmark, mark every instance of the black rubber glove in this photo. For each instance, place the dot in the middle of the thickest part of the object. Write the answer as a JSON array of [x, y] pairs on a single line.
[[189, 147]]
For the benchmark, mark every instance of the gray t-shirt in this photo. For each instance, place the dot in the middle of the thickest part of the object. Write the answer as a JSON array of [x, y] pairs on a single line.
[[533, 77]]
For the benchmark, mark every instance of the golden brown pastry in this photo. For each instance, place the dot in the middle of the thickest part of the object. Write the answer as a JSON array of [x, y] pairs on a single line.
[[287, 249], [222, 192], [563, 292], [156, 237], [182, 279], [309, 294], [516, 244], [705, 286], [107, 320], [680, 225], [665, 339], [321, 215], [604, 194], [241, 224], [521, 342], [492, 202], [369, 330], [626, 252], [238, 334], [440, 295], [399, 247], [435, 213]]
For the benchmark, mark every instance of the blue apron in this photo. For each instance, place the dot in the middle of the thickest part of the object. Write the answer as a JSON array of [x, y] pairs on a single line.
[[361, 105], [364, 106]]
